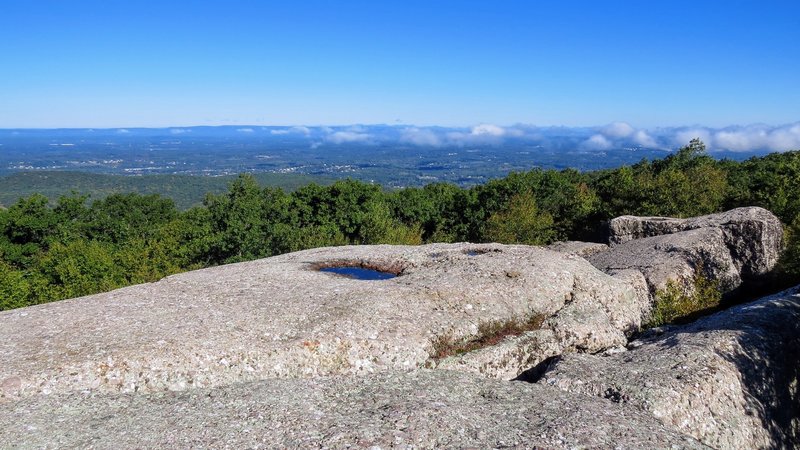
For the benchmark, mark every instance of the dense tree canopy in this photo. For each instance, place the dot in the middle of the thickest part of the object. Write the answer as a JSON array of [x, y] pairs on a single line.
[[76, 247]]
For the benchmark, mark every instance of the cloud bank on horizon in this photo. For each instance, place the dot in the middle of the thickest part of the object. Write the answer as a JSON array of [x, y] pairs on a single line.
[[615, 135]]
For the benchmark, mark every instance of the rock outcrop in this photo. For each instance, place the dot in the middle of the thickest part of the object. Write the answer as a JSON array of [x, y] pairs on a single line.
[[422, 409], [282, 353], [281, 318], [578, 248], [729, 380], [731, 247]]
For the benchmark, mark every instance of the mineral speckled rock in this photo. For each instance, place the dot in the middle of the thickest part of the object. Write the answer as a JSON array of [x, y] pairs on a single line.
[[280, 317], [673, 257], [729, 380], [578, 248], [421, 409], [730, 247], [754, 235]]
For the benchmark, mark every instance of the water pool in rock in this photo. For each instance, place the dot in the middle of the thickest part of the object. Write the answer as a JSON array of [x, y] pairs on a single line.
[[359, 273]]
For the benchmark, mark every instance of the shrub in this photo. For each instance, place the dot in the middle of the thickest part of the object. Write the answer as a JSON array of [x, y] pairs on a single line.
[[521, 222], [681, 300]]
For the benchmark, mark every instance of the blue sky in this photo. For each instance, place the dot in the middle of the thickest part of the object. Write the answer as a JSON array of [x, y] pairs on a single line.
[[651, 64]]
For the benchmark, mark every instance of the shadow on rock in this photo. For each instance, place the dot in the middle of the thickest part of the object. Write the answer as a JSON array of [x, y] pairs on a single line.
[[730, 380]]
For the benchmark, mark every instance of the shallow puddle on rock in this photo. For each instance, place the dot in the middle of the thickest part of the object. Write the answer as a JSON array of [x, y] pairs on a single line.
[[359, 273]]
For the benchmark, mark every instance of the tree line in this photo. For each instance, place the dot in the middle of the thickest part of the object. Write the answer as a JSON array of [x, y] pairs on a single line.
[[73, 247]]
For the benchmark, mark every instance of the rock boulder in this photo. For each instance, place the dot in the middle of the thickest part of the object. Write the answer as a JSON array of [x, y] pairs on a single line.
[[753, 235], [730, 380], [731, 247]]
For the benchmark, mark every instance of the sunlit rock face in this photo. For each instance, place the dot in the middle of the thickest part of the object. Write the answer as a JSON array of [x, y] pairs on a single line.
[[729, 380], [733, 247], [289, 317], [340, 347]]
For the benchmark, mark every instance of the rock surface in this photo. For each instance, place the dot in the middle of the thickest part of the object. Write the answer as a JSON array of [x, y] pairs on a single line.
[[422, 409], [280, 317], [578, 248], [753, 235], [277, 353], [730, 247], [729, 380]]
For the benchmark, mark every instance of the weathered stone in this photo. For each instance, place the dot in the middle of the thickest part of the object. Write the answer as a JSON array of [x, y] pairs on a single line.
[[753, 235], [422, 409], [731, 247], [730, 380], [637, 280], [578, 248], [280, 317], [508, 358], [674, 257]]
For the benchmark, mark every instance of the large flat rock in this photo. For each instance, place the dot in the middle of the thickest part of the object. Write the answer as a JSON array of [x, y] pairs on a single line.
[[282, 318], [729, 380], [422, 409]]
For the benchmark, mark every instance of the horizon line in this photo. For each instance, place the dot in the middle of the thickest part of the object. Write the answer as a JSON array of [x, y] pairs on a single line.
[[398, 125]]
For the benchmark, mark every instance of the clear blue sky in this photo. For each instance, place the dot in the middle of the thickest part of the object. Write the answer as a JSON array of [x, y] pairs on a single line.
[[145, 63]]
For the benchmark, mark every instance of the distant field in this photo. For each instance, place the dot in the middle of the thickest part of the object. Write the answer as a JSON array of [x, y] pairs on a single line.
[[185, 190]]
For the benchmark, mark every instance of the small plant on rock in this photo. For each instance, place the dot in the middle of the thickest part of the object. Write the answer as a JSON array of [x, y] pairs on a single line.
[[489, 333], [679, 300]]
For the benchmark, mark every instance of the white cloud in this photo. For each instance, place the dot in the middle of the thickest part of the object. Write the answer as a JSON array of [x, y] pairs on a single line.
[[483, 134], [611, 136], [357, 128], [597, 142], [421, 137], [682, 137], [487, 129], [617, 130], [757, 137], [347, 137], [786, 138], [515, 132], [642, 138], [293, 130], [740, 139], [456, 137]]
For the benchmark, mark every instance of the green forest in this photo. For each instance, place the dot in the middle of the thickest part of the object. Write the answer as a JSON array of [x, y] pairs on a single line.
[[185, 190], [56, 249]]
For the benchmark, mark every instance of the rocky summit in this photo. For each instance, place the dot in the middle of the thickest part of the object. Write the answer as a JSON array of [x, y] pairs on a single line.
[[455, 345], [283, 317]]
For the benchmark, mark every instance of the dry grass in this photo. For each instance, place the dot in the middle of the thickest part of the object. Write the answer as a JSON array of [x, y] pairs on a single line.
[[489, 333]]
